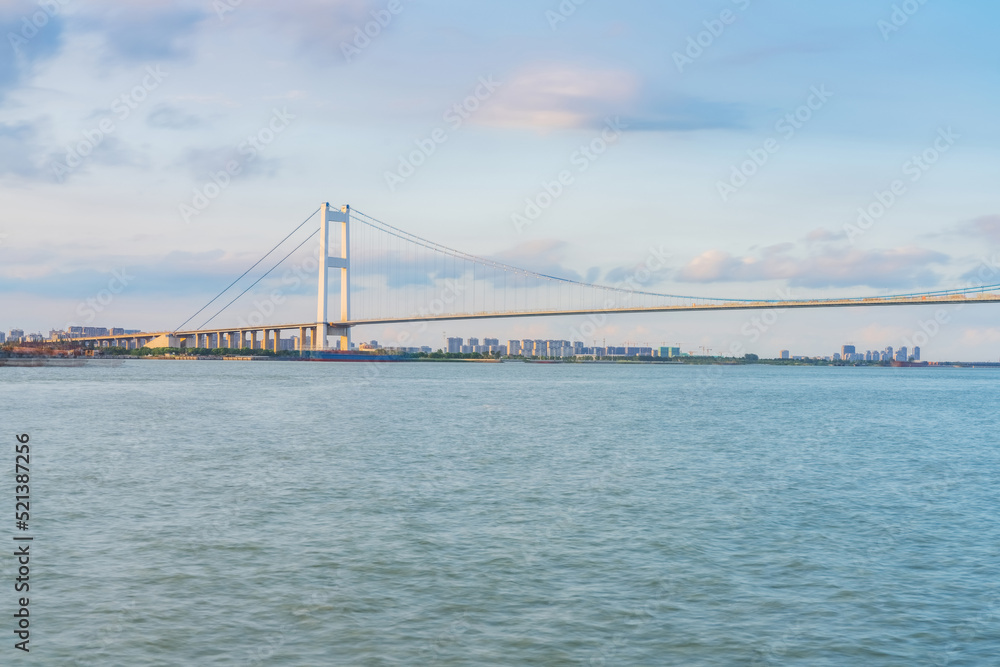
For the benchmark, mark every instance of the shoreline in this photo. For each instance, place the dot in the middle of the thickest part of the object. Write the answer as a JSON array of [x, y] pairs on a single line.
[[54, 361]]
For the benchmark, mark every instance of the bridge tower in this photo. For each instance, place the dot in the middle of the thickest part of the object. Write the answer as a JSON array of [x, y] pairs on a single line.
[[329, 214]]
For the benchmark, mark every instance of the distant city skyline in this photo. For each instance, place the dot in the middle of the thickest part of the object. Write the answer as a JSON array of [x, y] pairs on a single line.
[[548, 347]]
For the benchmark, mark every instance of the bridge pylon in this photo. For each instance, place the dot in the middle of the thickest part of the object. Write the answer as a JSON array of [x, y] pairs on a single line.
[[328, 215]]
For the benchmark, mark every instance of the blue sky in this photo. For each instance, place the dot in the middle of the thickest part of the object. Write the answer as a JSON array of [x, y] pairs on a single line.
[[161, 95]]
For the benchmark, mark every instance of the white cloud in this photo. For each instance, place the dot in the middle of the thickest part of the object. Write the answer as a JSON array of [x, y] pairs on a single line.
[[827, 267], [548, 97]]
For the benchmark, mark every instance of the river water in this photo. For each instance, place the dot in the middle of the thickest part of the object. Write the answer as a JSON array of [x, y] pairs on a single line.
[[289, 513]]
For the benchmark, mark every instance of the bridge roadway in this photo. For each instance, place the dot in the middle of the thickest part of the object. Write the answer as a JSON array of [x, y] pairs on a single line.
[[270, 335]]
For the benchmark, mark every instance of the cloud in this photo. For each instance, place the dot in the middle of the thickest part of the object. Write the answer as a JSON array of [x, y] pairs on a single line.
[[549, 97], [144, 31], [821, 235], [32, 35], [555, 97], [541, 256], [203, 162], [641, 275], [986, 227], [981, 336], [683, 114], [65, 271], [828, 267], [316, 27], [167, 117], [110, 151], [20, 151]]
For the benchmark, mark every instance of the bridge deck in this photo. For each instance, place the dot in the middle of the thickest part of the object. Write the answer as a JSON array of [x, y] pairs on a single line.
[[721, 306]]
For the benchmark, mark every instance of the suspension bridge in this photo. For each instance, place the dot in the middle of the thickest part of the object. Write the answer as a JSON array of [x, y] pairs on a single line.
[[386, 275]]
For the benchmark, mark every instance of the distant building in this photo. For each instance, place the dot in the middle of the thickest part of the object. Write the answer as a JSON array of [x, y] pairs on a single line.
[[836, 356], [455, 345], [847, 352], [491, 342], [514, 348], [473, 342], [785, 354], [16, 335], [3, 338], [901, 354], [916, 354]]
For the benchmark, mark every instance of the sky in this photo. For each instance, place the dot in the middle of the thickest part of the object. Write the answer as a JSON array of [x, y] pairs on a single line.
[[151, 151]]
